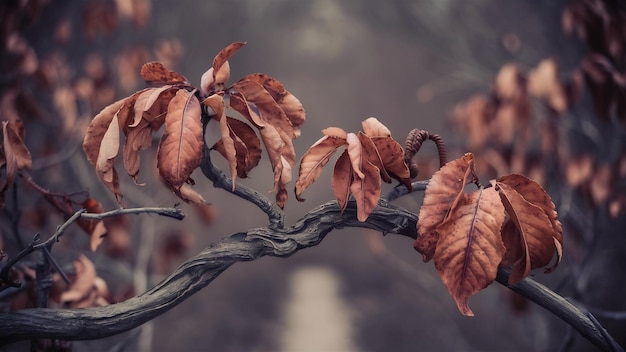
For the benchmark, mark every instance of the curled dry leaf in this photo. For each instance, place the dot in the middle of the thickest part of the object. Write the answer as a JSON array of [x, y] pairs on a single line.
[[366, 189], [180, 149], [533, 230], [370, 153], [470, 247], [156, 73], [286, 101], [442, 193], [374, 128], [342, 179], [355, 154], [216, 103], [314, 160], [221, 59], [247, 146], [101, 148]]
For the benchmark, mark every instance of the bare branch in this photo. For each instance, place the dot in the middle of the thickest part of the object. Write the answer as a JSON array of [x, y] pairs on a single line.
[[201, 270]]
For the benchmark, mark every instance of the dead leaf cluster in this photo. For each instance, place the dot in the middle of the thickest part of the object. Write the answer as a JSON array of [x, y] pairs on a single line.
[[177, 105], [513, 223], [370, 156]]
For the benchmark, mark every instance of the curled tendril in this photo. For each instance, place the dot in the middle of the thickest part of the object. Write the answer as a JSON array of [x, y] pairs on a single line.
[[414, 141]]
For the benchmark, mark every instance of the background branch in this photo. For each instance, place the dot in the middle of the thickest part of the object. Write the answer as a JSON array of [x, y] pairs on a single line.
[[201, 270]]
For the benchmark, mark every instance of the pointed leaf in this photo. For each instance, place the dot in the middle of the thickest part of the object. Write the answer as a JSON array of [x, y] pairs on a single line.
[[96, 130], [534, 229], [534, 194], [287, 101], [247, 146], [239, 103], [155, 72], [392, 156], [342, 179], [470, 248], [355, 153], [314, 160], [180, 149], [222, 57], [366, 190], [370, 153], [443, 191]]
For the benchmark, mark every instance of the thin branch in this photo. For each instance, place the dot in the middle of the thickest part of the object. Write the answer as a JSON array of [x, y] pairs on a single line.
[[201, 270], [220, 180], [401, 190]]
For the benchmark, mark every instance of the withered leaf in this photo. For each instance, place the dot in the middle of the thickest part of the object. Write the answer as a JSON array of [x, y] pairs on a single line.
[[370, 153], [442, 193], [238, 103], [342, 179], [366, 190], [156, 73], [392, 156], [355, 153], [533, 193], [180, 149], [470, 247], [247, 146], [314, 160], [374, 128], [222, 57], [286, 101], [97, 128], [534, 229]]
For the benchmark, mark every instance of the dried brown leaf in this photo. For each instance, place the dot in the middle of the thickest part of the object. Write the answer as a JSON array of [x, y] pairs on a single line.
[[366, 190], [470, 247], [370, 153], [180, 149], [342, 179], [216, 102], [156, 73], [442, 193], [247, 146], [355, 153], [535, 231], [314, 160], [374, 128]]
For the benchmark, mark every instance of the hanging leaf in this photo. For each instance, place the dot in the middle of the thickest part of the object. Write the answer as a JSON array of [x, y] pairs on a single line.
[[314, 160], [238, 103], [534, 194], [156, 73], [366, 190], [444, 190], [470, 248], [247, 146], [291, 106], [222, 58], [180, 149], [374, 128], [534, 230], [342, 179], [370, 153], [96, 130]]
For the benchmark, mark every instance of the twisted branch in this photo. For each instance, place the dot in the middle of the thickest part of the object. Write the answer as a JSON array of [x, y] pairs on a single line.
[[201, 270]]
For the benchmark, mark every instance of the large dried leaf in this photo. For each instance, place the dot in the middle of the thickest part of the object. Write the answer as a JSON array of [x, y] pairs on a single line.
[[97, 128], [470, 247], [366, 190], [151, 103], [443, 191], [536, 195], [274, 146], [156, 73], [314, 160], [247, 146], [180, 149], [370, 153], [239, 103], [392, 156], [342, 179], [287, 101], [269, 111], [534, 229], [222, 58]]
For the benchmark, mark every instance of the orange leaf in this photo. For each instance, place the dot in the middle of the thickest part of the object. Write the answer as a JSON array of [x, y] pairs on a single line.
[[366, 190], [370, 154], [97, 128], [355, 153], [239, 103], [443, 191], [533, 193], [534, 229], [342, 179], [221, 59], [155, 72], [314, 160], [470, 248], [392, 156], [286, 101], [247, 146], [180, 149]]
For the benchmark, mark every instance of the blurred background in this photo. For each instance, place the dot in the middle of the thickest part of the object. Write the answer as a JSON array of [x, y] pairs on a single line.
[[408, 63]]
